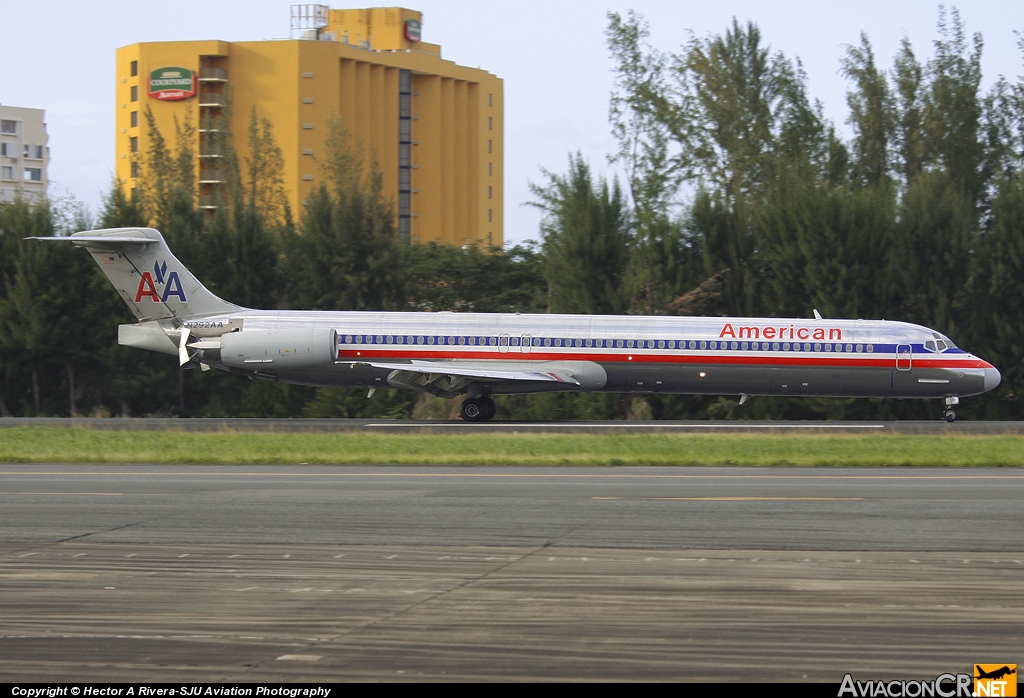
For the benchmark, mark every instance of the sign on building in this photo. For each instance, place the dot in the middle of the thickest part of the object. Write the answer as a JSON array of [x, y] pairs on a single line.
[[172, 83]]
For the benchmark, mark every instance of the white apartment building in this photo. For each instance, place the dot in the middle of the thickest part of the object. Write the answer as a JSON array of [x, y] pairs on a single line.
[[24, 153]]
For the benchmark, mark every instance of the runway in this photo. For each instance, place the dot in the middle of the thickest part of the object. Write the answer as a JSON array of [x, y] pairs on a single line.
[[413, 426], [260, 573], [941, 509]]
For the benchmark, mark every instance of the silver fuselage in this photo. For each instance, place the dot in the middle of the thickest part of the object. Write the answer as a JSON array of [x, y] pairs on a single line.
[[699, 355]]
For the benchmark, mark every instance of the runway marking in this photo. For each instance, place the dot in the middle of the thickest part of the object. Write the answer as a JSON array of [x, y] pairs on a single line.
[[736, 499], [299, 657], [577, 427], [573, 476], [86, 494]]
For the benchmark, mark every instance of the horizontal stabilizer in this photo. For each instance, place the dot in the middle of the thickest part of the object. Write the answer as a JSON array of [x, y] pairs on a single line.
[[102, 240]]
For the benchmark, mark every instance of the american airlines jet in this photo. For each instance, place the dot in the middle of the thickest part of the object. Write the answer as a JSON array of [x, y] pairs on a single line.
[[484, 354]]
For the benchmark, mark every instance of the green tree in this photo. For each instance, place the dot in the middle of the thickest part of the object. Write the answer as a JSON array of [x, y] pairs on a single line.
[[348, 256], [872, 112], [953, 108], [471, 279], [586, 236]]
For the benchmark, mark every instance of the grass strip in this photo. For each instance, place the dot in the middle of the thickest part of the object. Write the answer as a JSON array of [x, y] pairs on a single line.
[[78, 445]]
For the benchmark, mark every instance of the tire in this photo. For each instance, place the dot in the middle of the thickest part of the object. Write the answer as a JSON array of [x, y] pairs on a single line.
[[473, 410], [490, 409], [949, 416]]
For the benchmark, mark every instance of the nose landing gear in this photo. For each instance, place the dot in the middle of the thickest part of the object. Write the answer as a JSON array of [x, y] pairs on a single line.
[[478, 409], [949, 415]]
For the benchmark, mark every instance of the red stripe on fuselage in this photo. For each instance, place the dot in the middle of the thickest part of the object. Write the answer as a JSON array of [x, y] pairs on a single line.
[[755, 359]]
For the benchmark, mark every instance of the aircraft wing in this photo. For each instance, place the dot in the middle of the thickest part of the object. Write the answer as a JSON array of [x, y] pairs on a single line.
[[448, 368]]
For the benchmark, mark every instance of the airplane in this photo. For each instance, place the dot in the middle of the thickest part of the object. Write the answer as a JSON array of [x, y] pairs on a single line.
[[484, 354], [995, 674]]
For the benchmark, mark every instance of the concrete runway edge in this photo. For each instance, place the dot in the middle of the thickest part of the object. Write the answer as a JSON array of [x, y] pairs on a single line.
[[459, 427]]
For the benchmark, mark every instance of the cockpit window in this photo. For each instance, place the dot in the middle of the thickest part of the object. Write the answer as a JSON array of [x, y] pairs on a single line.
[[941, 345], [929, 345]]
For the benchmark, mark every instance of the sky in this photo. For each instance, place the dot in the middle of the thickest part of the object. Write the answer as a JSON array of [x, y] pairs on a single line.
[[59, 56]]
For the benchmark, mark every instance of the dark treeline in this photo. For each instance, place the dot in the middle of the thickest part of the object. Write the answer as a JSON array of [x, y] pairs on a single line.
[[738, 198]]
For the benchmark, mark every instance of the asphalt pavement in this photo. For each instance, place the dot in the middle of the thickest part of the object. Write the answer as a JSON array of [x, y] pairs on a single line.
[[297, 573]]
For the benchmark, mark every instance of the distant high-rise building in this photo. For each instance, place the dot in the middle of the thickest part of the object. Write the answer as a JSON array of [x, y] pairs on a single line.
[[435, 129], [24, 153]]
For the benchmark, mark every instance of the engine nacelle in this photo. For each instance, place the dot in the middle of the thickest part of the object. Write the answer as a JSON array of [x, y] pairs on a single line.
[[266, 350]]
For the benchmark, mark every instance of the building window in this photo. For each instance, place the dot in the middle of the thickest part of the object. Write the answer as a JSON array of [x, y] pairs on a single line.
[[7, 172], [490, 192], [8, 126], [490, 169], [39, 152], [135, 93], [490, 215], [135, 69], [133, 144], [404, 155], [490, 146], [490, 123], [135, 119], [7, 150], [33, 174], [135, 194], [135, 169], [490, 100]]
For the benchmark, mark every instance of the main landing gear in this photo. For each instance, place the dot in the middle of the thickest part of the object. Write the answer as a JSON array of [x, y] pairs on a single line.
[[478, 409], [949, 415]]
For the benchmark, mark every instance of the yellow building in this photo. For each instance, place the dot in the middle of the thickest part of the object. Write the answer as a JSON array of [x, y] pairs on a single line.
[[434, 127]]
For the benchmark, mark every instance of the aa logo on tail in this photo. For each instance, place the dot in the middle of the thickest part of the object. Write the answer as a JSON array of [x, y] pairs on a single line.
[[170, 283]]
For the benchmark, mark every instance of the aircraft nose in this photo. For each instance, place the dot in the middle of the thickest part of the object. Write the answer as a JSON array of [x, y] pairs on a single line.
[[992, 378]]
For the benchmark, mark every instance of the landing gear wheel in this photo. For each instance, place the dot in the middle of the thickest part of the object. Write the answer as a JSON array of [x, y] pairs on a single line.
[[490, 409], [477, 409], [949, 416]]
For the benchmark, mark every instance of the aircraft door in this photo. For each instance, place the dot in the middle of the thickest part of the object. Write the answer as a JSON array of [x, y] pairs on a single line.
[[904, 357], [525, 343]]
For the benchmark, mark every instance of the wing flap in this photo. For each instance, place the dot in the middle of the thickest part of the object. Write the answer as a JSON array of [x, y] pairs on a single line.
[[428, 368]]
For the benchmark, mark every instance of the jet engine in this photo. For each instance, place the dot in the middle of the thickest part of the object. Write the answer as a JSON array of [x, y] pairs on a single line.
[[276, 349]]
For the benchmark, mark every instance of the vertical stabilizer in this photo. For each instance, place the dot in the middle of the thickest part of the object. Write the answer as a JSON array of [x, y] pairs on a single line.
[[150, 279]]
